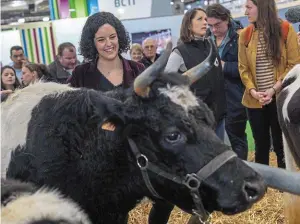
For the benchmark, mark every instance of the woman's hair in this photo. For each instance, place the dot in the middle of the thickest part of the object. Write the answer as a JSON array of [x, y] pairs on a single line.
[[40, 69], [94, 22], [268, 21], [186, 34], [218, 11], [137, 47], [17, 82]]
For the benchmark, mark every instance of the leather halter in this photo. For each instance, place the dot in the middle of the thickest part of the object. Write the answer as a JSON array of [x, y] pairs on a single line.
[[192, 181]]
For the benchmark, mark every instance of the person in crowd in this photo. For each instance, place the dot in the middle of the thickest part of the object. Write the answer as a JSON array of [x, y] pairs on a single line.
[[224, 30], [268, 49], [149, 50], [193, 49], [136, 52], [65, 62], [102, 42], [32, 73], [18, 60], [9, 81]]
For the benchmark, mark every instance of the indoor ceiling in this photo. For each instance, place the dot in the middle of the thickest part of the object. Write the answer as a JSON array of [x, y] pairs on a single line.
[[13, 11]]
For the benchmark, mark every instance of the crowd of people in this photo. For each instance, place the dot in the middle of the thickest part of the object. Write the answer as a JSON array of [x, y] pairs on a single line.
[[243, 85]]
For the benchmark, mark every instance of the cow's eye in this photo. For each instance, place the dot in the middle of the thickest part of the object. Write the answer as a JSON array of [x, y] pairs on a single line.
[[173, 137]]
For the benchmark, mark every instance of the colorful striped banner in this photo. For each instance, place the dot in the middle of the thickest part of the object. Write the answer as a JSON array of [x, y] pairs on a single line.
[[63, 7], [93, 6], [81, 8], [53, 10], [38, 42]]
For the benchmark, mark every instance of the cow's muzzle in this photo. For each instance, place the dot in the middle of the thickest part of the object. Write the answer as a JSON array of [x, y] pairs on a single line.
[[192, 181]]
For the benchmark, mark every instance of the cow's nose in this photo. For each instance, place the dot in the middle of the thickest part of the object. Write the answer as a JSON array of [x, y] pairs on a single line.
[[253, 191]]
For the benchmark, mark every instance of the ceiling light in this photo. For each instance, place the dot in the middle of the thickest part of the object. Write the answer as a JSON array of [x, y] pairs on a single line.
[[17, 3], [21, 20], [172, 3], [13, 23], [46, 19]]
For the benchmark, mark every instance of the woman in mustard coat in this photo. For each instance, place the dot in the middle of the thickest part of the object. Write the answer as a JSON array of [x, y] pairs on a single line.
[[268, 50]]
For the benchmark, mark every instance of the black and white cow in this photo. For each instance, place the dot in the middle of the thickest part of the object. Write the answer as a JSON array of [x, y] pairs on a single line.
[[288, 107], [23, 203], [288, 104], [107, 154]]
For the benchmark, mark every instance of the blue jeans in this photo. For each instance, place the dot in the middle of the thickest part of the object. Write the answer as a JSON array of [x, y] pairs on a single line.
[[220, 129]]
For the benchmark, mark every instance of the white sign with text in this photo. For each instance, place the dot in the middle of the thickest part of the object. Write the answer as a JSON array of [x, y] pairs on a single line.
[[127, 9]]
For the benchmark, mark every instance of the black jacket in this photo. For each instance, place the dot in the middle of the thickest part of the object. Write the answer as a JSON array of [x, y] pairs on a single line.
[[147, 62], [234, 87], [58, 73], [210, 88]]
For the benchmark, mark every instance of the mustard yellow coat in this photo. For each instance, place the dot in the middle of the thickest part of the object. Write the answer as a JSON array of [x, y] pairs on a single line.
[[290, 56]]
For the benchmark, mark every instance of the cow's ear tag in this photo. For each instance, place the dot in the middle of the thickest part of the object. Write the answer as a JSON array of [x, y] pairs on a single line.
[[108, 126]]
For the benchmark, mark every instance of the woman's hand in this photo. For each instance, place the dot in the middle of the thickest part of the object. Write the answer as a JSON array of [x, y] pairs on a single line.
[[6, 91], [267, 96], [256, 95]]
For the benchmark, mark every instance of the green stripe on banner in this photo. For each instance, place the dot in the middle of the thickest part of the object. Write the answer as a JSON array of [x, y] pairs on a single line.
[[55, 8], [72, 8], [81, 8], [30, 45], [47, 45], [251, 144]]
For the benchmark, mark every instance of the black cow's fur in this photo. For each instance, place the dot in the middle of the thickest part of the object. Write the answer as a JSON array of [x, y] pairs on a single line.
[[67, 148]]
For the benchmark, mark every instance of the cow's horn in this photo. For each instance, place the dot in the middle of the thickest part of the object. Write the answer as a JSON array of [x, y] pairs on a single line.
[[277, 178], [142, 82], [200, 70]]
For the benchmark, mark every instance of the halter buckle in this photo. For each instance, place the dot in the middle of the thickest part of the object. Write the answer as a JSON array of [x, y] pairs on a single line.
[[192, 182], [142, 162]]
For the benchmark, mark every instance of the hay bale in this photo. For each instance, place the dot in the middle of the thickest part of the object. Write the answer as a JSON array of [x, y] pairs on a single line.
[[270, 210]]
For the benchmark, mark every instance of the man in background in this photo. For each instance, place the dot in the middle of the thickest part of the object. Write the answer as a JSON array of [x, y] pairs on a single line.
[[64, 64], [149, 50], [18, 59]]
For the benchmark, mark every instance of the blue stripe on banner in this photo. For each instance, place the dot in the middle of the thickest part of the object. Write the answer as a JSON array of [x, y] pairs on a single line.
[[51, 8], [42, 45], [24, 43], [92, 6]]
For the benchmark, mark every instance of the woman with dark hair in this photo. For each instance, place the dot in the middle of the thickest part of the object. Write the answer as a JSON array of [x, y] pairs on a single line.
[[9, 79], [103, 40], [224, 31], [192, 50], [267, 51], [32, 73]]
